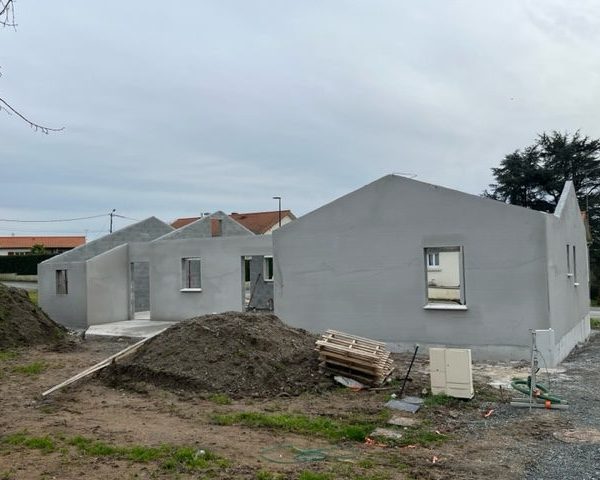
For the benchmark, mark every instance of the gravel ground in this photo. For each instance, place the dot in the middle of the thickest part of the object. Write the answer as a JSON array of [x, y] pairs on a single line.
[[580, 385]]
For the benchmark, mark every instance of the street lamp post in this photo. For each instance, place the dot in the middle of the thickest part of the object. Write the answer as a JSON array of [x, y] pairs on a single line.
[[111, 219], [279, 200]]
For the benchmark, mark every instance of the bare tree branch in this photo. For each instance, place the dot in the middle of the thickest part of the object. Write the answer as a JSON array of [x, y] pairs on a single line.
[[7, 19], [7, 13], [37, 127]]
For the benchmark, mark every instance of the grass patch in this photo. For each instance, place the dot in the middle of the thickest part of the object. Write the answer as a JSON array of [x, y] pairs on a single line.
[[265, 475], [306, 475], [34, 368], [45, 444], [33, 296], [7, 355], [440, 400], [595, 323], [173, 458], [170, 457], [302, 424], [220, 399]]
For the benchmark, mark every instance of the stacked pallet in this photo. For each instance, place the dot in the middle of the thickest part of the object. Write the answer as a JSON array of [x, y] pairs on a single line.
[[363, 359]]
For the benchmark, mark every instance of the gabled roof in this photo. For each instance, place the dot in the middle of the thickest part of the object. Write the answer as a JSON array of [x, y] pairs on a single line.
[[217, 224], [142, 231], [256, 222], [46, 241], [261, 222]]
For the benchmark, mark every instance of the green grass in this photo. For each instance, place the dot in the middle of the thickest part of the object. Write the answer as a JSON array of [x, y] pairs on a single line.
[[440, 400], [46, 444], [302, 424], [8, 355], [420, 436], [306, 475], [33, 296], [265, 475], [220, 399], [595, 323], [34, 368], [173, 458]]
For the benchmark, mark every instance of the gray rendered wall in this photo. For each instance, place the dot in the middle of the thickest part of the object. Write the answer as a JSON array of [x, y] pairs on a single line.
[[108, 287], [357, 265], [222, 279], [262, 291], [144, 231], [70, 309], [202, 228], [569, 303]]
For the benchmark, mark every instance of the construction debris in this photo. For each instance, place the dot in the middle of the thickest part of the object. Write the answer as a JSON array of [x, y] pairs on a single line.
[[362, 359], [386, 433], [403, 421], [403, 406]]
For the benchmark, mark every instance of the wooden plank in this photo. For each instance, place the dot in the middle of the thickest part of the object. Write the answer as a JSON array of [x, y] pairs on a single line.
[[370, 341], [341, 348], [350, 341], [348, 359], [100, 365]]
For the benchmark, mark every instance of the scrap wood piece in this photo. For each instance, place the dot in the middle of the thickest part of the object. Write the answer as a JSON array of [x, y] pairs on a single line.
[[100, 365]]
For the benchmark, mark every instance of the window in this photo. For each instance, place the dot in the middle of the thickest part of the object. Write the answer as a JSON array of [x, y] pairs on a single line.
[[569, 273], [191, 274], [62, 282], [433, 260], [574, 267], [268, 269], [445, 279]]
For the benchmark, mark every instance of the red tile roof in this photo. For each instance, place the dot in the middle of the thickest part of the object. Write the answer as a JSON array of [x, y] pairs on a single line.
[[256, 222], [48, 242], [261, 222], [182, 222]]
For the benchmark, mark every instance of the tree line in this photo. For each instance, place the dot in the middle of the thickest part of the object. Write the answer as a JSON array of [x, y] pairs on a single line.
[[534, 176]]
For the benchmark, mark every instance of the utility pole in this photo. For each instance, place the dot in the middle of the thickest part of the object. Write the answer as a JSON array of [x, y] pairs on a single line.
[[111, 219], [279, 199]]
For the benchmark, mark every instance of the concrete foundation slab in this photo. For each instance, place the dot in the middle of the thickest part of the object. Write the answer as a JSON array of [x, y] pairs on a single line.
[[130, 328]]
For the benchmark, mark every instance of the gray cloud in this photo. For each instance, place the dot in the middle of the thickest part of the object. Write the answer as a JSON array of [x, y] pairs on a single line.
[[198, 106]]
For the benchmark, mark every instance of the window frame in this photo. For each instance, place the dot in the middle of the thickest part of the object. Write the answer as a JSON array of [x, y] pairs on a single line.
[[186, 278], [62, 280], [461, 276], [266, 260]]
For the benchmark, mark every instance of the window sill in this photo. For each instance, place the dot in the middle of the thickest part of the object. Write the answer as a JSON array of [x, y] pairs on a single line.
[[269, 280], [576, 284], [569, 275], [190, 290], [444, 306], [434, 269]]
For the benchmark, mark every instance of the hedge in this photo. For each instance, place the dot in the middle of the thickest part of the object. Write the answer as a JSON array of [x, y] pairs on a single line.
[[22, 264]]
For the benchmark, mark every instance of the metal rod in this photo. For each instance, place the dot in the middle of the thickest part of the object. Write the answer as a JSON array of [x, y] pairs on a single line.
[[409, 369]]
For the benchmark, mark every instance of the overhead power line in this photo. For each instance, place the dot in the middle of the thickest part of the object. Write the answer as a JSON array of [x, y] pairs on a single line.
[[59, 220], [53, 220]]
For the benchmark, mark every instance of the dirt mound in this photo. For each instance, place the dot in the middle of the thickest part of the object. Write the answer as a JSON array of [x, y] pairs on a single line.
[[239, 354], [22, 323]]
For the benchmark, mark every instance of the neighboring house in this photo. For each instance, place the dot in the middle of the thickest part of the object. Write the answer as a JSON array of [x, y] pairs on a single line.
[[149, 269], [264, 223], [408, 262], [17, 245], [260, 223]]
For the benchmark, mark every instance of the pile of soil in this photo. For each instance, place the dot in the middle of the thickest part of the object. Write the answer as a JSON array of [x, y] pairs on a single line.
[[22, 323], [238, 354]]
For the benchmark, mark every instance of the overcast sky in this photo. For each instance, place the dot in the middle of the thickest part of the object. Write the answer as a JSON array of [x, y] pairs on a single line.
[[176, 108]]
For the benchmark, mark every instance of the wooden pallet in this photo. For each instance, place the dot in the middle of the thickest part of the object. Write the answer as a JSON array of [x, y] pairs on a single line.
[[356, 357]]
